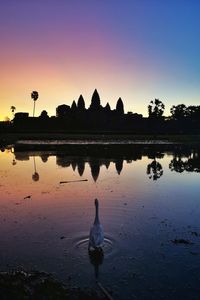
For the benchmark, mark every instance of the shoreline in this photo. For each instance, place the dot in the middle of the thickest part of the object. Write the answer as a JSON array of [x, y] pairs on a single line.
[[11, 138], [95, 144]]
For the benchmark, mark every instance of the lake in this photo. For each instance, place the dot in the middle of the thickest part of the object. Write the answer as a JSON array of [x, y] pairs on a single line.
[[149, 207]]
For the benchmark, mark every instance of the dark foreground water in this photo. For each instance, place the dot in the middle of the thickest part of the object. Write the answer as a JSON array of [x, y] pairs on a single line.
[[149, 208]]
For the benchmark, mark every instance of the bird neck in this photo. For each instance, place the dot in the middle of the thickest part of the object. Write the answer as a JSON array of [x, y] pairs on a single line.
[[96, 220]]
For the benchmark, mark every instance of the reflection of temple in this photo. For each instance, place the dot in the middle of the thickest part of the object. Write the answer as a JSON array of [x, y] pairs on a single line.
[[184, 159], [74, 165], [119, 165], [107, 163], [95, 169], [81, 167]]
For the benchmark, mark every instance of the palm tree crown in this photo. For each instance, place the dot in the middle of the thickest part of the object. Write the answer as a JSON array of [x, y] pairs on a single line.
[[34, 96]]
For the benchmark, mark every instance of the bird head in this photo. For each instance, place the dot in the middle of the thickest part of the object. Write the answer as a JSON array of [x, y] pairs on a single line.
[[96, 202]]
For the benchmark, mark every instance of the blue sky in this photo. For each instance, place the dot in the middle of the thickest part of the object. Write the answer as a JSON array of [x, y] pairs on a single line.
[[139, 50]]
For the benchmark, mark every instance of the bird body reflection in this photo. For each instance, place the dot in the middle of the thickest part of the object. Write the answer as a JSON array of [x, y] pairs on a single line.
[[96, 237]]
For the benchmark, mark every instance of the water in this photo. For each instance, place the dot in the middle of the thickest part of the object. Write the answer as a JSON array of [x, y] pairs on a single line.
[[148, 199]]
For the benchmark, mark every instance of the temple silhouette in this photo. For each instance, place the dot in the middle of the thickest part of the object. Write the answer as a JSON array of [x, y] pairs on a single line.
[[98, 119]]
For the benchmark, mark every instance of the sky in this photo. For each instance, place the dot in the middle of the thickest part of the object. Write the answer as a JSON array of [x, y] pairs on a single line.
[[138, 50]]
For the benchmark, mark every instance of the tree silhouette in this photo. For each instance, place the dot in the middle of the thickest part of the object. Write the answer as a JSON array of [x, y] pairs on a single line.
[[34, 96], [81, 103], [120, 107], [95, 102], [156, 109], [62, 110], [44, 115], [193, 112], [178, 112], [13, 108]]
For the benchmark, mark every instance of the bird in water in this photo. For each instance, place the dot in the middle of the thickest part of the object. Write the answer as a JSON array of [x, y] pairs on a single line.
[[96, 237]]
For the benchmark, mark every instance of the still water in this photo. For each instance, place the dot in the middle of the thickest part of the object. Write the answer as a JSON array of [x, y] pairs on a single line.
[[149, 208]]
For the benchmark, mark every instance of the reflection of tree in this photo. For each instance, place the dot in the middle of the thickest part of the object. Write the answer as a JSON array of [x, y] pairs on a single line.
[[21, 156], [14, 160], [189, 164], [44, 157], [129, 161], [154, 170], [177, 165], [193, 163], [35, 176], [119, 165], [153, 154], [62, 161]]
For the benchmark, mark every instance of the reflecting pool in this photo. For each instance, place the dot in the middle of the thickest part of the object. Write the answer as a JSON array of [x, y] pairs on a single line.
[[149, 206]]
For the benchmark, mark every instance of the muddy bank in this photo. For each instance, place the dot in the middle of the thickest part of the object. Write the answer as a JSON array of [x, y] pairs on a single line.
[[22, 285]]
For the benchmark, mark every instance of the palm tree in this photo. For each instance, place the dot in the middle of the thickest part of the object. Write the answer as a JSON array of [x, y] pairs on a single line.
[[34, 96], [13, 108]]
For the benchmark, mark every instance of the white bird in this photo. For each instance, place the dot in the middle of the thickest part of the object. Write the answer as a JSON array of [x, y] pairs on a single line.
[[96, 237]]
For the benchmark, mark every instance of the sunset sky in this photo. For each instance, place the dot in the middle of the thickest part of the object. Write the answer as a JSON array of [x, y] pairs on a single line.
[[138, 50]]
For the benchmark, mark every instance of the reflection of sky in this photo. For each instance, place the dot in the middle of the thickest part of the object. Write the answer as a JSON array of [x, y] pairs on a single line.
[[134, 210], [127, 176], [137, 50]]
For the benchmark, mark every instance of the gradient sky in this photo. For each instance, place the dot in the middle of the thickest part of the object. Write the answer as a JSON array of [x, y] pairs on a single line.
[[138, 50]]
